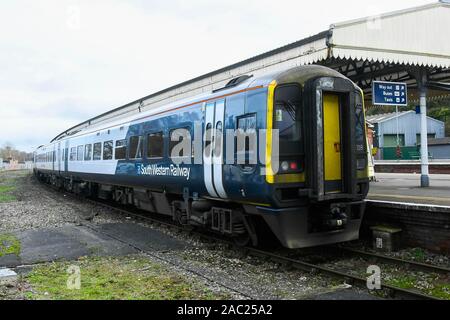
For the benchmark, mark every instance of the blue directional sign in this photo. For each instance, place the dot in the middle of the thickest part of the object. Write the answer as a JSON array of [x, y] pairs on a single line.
[[390, 93]]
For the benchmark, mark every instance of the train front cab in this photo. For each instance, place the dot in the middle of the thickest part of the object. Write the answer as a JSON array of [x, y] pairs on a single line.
[[321, 185]]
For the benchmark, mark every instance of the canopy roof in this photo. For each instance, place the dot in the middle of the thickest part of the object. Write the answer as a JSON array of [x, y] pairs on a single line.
[[379, 118], [390, 47]]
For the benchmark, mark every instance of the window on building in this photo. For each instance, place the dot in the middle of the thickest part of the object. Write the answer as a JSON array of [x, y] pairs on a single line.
[[73, 154], [155, 145], [108, 150], [121, 150], [136, 147], [98, 151], [88, 152], [418, 138], [390, 140]]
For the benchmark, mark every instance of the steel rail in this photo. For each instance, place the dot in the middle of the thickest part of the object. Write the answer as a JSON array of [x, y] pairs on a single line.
[[298, 264], [396, 261]]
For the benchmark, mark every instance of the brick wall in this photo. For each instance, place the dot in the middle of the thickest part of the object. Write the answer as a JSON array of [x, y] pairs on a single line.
[[421, 227]]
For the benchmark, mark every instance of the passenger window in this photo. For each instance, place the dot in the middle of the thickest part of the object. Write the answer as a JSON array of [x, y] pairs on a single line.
[[98, 151], [73, 154], [176, 137], [107, 150], [121, 150], [219, 138], [208, 139], [80, 153], [155, 145], [136, 147], [88, 152]]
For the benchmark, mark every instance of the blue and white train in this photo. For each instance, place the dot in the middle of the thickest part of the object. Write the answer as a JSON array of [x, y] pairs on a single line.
[[315, 197]]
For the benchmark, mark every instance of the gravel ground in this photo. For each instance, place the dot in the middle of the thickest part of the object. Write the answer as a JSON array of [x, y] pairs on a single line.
[[38, 206], [223, 271]]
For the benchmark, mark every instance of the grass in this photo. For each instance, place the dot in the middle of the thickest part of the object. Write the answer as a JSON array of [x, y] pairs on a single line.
[[432, 287], [418, 254], [103, 278], [405, 282], [441, 291], [5, 193], [9, 244]]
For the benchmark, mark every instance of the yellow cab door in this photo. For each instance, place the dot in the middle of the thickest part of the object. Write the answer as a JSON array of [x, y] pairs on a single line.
[[332, 143]]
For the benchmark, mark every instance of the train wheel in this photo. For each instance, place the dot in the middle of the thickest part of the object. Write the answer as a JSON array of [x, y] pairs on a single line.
[[242, 240]]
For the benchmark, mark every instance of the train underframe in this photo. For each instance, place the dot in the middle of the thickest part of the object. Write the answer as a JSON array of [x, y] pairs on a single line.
[[310, 225]]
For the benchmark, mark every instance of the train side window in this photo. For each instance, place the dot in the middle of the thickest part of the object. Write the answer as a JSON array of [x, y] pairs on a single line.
[[98, 151], [246, 142], [121, 150], [73, 154], [208, 139], [176, 137], [88, 152], [219, 138], [108, 150], [155, 145], [80, 153], [136, 147], [246, 125]]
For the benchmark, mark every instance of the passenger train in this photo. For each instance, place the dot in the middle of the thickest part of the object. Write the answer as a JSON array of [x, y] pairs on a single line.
[[305, 185]]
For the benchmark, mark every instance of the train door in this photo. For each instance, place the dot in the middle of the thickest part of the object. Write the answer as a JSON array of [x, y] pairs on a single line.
[[58, 158], [66, 156], [332, 143], [213, 148], [53, 158]]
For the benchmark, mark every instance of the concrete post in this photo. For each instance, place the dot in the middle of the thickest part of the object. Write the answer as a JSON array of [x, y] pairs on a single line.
[[425, 178]]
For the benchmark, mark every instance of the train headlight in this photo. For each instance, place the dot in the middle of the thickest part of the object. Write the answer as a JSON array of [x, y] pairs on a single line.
[[285, 166]]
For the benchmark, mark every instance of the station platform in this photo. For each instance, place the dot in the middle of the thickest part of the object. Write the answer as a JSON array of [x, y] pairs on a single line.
[[405, 188]]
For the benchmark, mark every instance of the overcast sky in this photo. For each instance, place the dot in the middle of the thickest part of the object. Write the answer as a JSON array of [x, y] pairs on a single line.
[[64, 61]]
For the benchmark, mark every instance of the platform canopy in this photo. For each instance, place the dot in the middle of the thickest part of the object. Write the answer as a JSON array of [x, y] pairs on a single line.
[[404, 46]]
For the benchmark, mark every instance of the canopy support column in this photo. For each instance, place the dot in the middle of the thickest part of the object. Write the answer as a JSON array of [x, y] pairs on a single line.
[[422, 79]]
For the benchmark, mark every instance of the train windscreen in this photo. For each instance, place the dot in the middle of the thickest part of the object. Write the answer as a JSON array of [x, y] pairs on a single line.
[[288, 120]]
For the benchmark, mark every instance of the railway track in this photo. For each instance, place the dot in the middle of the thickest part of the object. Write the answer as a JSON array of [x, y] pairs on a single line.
[[392, 291], [396, 261]]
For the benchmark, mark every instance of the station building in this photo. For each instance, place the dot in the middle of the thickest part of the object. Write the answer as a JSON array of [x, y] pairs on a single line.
[[439, 148], [402, 130]]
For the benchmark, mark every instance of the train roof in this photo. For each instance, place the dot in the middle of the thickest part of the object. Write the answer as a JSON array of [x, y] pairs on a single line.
[[243, 83]]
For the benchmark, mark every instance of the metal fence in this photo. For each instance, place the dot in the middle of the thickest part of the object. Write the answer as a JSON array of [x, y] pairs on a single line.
[[4, 166]]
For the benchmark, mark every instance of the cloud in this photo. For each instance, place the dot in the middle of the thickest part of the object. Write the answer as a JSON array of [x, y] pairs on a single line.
[[63, 61]]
